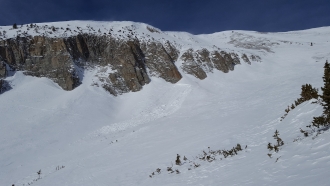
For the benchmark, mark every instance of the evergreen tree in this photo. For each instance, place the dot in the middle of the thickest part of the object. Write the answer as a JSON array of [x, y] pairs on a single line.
[[324, 119], [326, 90], [308, 92], [14, 26], [319, 121]]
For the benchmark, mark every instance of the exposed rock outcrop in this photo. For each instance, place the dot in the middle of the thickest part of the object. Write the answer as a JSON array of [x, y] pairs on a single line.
[[246, 59], [200, 62], [191, 66], [160, 60], [41, 57], [125, 56], [57, 58]]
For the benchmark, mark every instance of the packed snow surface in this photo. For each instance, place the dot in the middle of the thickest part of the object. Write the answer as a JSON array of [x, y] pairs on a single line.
[[89, 137]]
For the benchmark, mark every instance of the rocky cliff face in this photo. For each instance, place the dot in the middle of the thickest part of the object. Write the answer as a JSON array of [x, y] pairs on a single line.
[[132, 57], [58, 59], [41, 57], [200, 62]]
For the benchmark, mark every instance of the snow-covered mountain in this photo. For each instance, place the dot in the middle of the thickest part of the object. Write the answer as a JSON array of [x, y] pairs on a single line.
[[58, 116], [124, 55]]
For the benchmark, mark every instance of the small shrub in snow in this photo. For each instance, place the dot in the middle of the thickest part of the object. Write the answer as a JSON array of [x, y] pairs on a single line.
[[287, 110], [60, 167], [270, 147], [169, 169], [178, 161], [304, 132], [39, 173], [209, 156], [279, 143]]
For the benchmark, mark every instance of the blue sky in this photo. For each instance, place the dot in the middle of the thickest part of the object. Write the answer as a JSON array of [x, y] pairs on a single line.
[[195, 16]]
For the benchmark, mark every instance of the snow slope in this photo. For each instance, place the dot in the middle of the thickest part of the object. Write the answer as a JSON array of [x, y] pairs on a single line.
[[105, 140]]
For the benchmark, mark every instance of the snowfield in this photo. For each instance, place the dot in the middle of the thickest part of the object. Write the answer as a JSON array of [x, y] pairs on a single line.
[[91, 138]]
